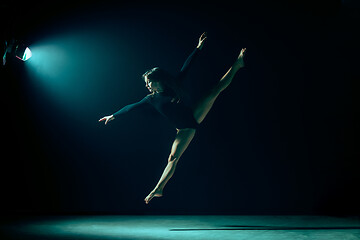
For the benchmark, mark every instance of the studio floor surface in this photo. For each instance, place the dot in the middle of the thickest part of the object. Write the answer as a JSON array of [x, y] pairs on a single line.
[[182, 227]]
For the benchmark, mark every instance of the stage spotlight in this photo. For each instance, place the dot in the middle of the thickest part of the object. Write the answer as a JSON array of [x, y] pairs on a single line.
[[22, 52], [16, 49]]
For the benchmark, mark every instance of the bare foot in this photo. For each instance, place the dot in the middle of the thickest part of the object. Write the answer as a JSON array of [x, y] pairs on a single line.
[[154, 193], [239, 63]]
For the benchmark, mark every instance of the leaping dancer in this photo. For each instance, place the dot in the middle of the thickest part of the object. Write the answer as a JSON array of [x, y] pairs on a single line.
[[166, 94]]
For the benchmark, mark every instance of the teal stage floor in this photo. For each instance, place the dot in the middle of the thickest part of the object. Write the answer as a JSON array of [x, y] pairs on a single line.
[[182, 227]]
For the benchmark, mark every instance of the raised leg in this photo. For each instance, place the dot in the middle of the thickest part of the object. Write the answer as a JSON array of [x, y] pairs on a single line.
[[181, 142], [203, 107]]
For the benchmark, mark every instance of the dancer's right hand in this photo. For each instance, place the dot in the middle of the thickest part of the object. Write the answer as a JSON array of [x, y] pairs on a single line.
[[107, 119], [202, 40]]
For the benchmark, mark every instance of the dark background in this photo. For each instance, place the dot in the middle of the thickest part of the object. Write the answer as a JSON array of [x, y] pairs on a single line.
[[282, 139]]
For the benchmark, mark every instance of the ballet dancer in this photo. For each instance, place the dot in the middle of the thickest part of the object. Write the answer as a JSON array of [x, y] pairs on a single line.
[[166, 95]]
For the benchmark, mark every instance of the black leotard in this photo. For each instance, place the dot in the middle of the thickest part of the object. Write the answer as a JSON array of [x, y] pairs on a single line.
[[179, 114]]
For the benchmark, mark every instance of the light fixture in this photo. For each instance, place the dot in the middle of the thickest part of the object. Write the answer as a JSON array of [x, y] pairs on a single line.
[[22, 52], [16, 49]]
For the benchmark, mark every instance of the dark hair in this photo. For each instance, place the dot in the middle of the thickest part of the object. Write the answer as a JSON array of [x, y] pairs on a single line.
[[169, 83]]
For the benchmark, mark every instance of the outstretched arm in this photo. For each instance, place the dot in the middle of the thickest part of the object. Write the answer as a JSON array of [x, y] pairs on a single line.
[[139, 105], [193, 55]]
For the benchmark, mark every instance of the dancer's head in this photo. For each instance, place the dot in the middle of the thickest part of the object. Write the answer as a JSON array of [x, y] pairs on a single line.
[[159, 80], [154, 80]]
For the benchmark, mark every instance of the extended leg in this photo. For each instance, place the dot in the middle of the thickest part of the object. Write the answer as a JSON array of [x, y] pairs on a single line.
[[205, 104], [181, 142]]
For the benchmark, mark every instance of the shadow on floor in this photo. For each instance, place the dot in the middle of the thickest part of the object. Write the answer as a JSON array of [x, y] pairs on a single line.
[[260, 228]]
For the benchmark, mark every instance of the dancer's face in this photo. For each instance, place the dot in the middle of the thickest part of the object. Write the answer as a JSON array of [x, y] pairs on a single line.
[[152, 86]]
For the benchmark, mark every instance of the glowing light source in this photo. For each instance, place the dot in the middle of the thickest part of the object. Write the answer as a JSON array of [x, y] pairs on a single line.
[[23, 53], [16, 49], [27, 54]]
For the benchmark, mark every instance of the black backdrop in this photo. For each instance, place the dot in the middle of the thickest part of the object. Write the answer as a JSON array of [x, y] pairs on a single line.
[[282, 139]]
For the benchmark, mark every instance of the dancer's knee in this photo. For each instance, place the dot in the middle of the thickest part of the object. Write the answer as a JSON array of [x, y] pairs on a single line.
[[220, 87], [182, 140], [173, 159], [214, 92]]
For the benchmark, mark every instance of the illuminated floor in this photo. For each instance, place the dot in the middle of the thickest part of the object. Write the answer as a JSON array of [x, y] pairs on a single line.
[[183, 227]]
